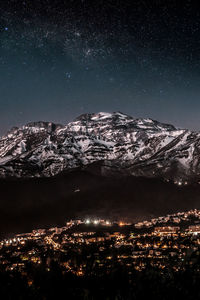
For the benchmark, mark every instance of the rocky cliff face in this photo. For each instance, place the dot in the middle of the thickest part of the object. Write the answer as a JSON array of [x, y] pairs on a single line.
[[124, 145]]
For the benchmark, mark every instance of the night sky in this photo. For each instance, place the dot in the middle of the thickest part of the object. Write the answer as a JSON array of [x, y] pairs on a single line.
[[59, 59]]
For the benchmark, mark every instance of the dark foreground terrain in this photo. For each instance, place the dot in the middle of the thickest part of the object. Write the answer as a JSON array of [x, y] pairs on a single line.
[[148, 284], [31, 203]]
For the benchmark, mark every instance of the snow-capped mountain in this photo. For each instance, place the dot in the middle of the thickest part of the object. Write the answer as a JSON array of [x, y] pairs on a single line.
[[140, 147]]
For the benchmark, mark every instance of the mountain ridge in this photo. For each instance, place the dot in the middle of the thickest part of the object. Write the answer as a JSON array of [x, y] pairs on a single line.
[[131, 146]]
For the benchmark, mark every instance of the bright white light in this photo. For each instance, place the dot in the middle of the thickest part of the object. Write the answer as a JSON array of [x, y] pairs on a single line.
[[87, 221], [96, 222], [107, 223]]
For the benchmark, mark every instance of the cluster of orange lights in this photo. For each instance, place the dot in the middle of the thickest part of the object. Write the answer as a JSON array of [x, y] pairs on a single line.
[[121, 224]]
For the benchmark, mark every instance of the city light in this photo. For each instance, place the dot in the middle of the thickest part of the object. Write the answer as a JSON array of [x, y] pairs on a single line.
[[164, 233]]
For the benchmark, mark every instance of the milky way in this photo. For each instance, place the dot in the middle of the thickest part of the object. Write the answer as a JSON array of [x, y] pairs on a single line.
[[59, 59]]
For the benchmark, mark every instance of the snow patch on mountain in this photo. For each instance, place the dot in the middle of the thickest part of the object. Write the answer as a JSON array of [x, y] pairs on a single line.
[[141, 147]]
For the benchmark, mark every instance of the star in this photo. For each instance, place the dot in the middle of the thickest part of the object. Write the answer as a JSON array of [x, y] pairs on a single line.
[[68, 75]]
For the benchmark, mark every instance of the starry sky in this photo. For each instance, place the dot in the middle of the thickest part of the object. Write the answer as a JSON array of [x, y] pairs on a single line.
[[60, 59]]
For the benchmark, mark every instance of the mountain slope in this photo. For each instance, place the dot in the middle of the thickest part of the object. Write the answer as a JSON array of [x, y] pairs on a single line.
[[128, 146], [36, 202]]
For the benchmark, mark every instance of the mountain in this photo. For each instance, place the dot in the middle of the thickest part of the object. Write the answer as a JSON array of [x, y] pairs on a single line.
[[122, 144]]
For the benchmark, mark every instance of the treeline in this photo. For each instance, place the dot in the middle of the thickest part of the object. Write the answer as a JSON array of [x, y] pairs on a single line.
[[119, 284]]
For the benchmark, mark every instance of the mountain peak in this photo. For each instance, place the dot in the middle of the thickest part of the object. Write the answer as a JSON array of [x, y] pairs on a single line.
[[101, 116]]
